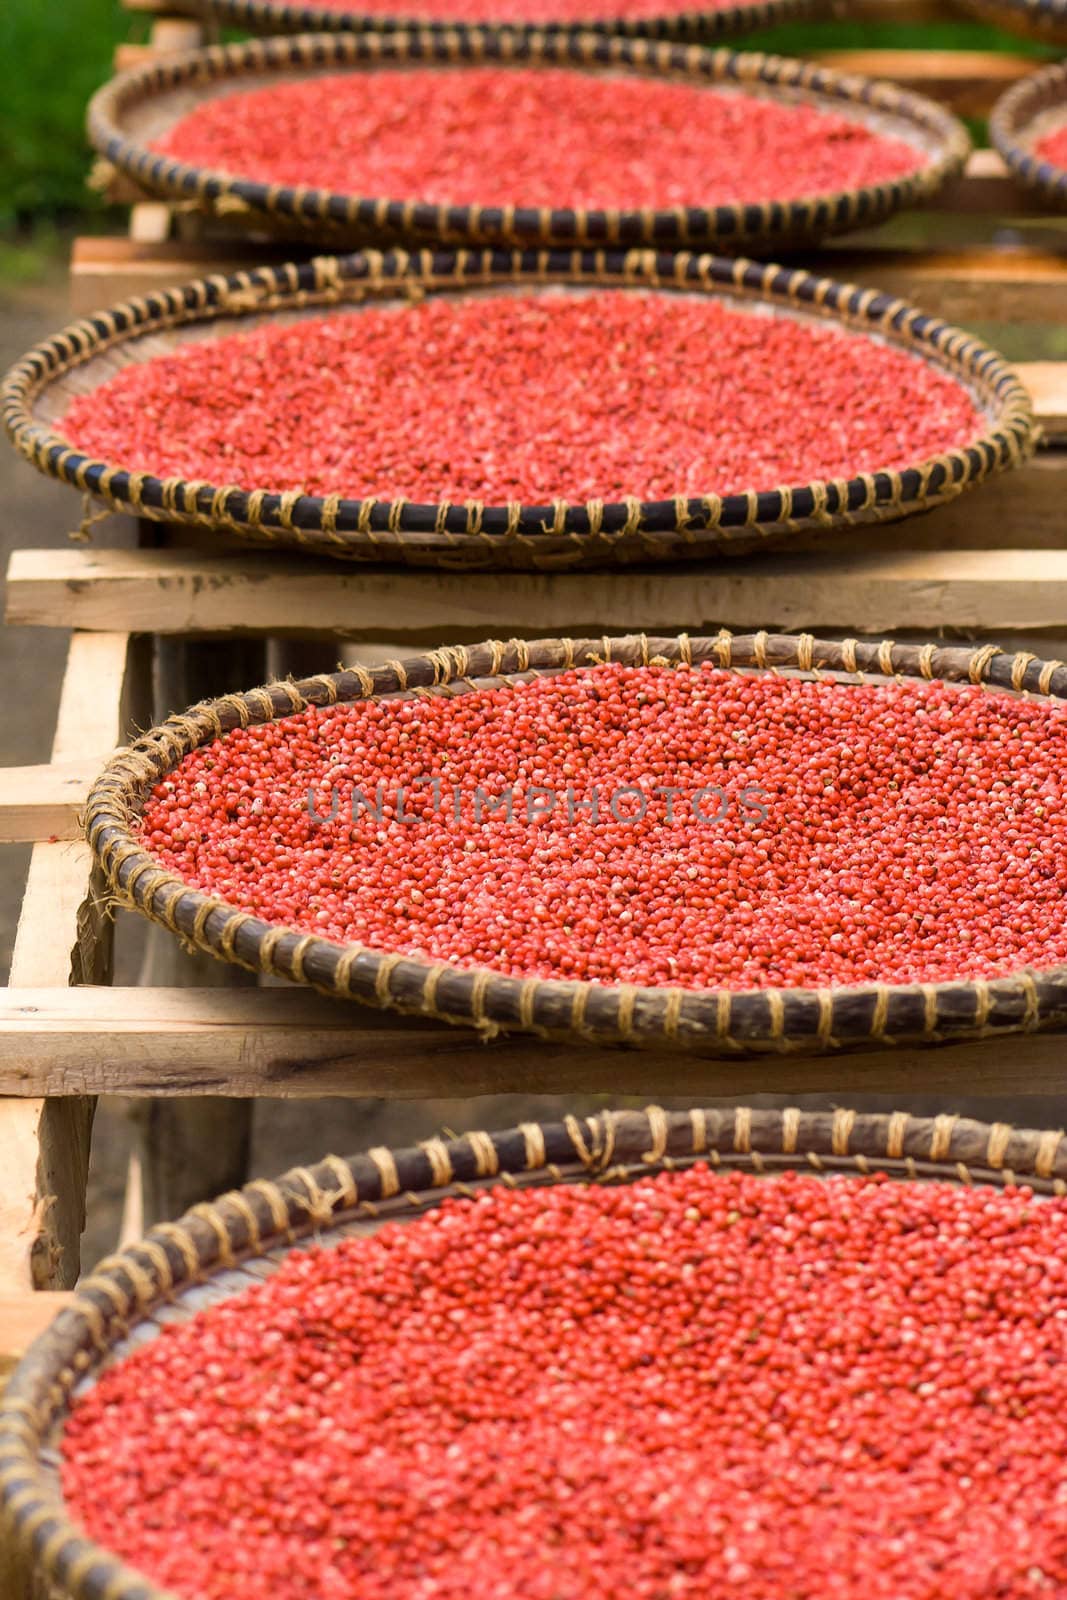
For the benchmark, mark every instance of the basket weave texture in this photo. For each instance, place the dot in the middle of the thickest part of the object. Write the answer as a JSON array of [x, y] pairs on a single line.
[[115, 111], [553, 536], [1022, 116], [179, 1267], [698, 24], [711, 1022]]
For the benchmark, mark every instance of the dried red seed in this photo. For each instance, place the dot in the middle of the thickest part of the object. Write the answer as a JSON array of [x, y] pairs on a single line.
[[533, 398], [912, 832], [1053, 147], [698, 1384], [545, 137]]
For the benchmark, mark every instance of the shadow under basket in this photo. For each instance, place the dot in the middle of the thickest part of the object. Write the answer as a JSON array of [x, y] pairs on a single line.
[[138, 108], [547, 537], [216, 1251], [1023, 116], [709, 1022], [700, 24]]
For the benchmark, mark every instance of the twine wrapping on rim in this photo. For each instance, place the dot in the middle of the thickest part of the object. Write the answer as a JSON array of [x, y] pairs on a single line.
[[696, 23], [1028, 111], [514, 536], [710, 1022], [200, 1258], [323, 213]]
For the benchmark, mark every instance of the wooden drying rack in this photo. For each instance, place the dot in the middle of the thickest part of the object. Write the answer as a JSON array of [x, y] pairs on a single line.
[[993, 563]]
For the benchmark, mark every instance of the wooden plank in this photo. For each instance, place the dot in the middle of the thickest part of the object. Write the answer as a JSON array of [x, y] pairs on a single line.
[[1047, 383], [291, 1044], [969, 81], [63, 937], [22, 1318], [980, 283], [871, 592], [44, 802]]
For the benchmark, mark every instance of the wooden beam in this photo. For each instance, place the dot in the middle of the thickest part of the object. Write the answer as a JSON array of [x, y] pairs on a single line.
[[22, 1318], [976, 283], [63, 938], [289, 1043], [44, 802], [969, 81], [869, 592]]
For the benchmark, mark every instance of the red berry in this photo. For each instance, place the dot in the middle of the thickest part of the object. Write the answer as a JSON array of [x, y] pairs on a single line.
[[650, 825], [695, 1385], [652, 395], [534, 137]]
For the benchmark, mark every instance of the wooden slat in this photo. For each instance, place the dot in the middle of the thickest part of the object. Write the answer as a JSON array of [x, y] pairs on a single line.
[[970, 81], [288, 1043], [22, 1318], [43, 803], [870, 592], [63, 937], [982, 283]]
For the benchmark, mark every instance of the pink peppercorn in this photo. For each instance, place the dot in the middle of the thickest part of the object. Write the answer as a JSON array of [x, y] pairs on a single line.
[[700, 1384], [528, 398], [818, 832], [544, 137]]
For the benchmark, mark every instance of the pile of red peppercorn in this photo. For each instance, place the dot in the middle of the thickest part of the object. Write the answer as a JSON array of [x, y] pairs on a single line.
[[540, 137], [622, 393], [701, 1384], [654, 825], [1053, 147]]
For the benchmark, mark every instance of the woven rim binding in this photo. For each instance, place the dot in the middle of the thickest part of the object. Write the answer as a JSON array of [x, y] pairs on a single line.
[[515, 535], [711, 1022], [1015, 125], [320, 210], [212, 1241], [278, 16]]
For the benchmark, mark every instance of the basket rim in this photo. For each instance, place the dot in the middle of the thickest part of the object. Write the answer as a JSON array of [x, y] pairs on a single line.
[[711, 1021], [341, 525], [609, 1147], [1011, 122], [289, 16], [472, 44]]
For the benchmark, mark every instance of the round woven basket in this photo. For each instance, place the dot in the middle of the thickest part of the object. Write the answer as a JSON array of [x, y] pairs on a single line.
[[37, 392], [711, 1022], [1022, 117], [140, 106], [218, 1250], [708, 23]]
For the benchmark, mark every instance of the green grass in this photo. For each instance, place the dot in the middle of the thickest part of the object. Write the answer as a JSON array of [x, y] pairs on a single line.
[[54, 55]]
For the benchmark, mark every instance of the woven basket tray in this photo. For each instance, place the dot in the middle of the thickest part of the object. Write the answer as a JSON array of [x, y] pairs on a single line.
[[140, 106], [1023, 116], [709, 1022], [709, 23], [39, 389], [218, 1250]]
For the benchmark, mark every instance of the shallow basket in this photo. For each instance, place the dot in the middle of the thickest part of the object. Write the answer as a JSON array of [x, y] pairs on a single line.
[[218, 1250], [39, 389], [141, 105], [1023, 115], [709, 1022], [699, 23]]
